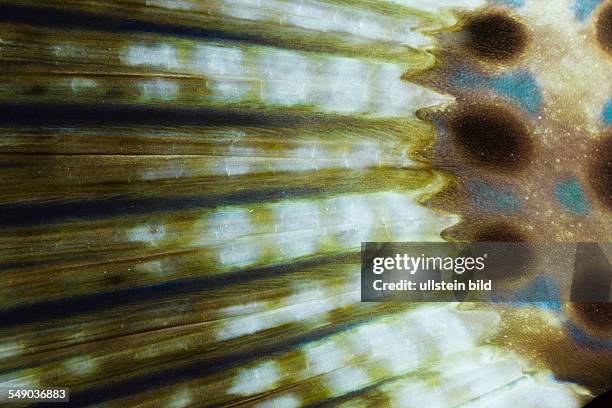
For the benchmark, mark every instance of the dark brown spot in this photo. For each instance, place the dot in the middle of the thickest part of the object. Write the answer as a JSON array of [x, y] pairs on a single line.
[[592, 274], [593, 316], [604, 28], [498, 232], [495, 37], [492, 137], [600, 174], [509, 261]]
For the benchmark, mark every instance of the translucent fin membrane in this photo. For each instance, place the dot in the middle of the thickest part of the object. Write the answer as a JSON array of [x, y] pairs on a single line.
[[435, 372], [169, 71], [331, 142], [218, 241], [386, 28]]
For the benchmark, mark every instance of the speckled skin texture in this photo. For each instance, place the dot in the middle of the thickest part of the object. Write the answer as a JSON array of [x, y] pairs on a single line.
[[528, 147]]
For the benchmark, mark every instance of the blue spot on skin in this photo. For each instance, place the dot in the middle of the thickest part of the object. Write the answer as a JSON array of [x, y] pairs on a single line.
[[570, 195], [587, 340], [465, 78], [584, 8], [522, 87], [511, 3], [519, 86], [493, 199], [544, 289], [607, 113]]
